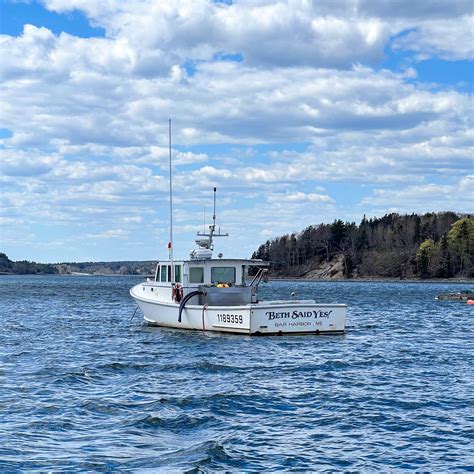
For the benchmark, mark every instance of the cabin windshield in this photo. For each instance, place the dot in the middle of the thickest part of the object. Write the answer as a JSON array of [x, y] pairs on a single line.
[[223, 274]]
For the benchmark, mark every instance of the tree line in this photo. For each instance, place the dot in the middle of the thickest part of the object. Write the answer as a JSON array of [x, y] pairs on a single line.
[[433, 245], [24, 267]]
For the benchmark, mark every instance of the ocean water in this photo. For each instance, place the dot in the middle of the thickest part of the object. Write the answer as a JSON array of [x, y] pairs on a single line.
[[85, 388]]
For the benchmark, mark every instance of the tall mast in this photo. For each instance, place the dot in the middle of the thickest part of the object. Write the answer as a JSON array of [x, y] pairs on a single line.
[[170, 244]]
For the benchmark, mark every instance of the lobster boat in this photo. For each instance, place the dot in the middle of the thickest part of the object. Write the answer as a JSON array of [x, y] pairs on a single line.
[[217, 294]]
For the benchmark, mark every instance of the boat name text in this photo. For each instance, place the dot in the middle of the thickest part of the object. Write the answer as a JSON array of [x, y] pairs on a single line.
[[297, 314]]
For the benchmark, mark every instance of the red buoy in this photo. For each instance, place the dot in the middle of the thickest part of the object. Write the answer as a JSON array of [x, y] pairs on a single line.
[[470, 301]]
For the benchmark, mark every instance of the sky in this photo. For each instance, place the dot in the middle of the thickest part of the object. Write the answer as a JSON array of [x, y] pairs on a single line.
[[300, 112]]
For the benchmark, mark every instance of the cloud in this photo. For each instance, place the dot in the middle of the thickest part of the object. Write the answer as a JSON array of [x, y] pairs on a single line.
[[109, 234], [276, 33], [299, 197], [310, 197], [452, 40], [133, 219], [16, 163], [410, 11], [426, 197], [62, 57], [283, 105], [220, 103]]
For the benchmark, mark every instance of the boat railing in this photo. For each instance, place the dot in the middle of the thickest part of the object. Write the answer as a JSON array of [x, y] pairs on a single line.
[[262, 274]]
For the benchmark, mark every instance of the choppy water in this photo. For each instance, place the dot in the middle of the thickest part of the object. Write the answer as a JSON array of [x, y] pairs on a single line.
[[83, 388]]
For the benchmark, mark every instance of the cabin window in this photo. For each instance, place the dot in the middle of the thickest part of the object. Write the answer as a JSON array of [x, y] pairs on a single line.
[[223, 274], [163, 273], [196, 274], [177, 274], [169, 272]]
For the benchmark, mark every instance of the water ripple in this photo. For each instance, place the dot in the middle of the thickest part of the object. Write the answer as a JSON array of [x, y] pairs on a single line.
[[83, 389]]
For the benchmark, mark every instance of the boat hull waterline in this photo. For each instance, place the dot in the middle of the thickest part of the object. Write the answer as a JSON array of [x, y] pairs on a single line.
[[262, 318]]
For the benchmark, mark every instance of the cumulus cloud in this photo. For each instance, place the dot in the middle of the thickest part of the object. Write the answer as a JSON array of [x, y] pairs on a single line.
[[427, 197], [299, 197], [16, 163], [108, 234], [275, 33], [269, 101], [292, 32], [452, 40], [228, 103]]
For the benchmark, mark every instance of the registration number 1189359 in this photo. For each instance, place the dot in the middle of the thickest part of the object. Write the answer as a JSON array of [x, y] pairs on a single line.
[[230, 318]]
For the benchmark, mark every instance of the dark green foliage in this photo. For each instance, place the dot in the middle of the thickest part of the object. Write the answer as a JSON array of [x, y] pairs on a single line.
[[445, 264], [100, 268], [394, 246], [24, 267], [6, 265], [338, 233]]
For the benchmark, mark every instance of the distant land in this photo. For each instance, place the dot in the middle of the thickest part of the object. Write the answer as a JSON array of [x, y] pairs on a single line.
[[430, 246], [8, 267], [433, 245]]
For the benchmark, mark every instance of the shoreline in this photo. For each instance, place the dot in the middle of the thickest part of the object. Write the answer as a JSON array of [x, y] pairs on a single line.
[[379, 279], [466, 281]]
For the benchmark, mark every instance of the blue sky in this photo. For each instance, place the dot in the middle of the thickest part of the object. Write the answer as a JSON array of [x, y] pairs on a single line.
[[299, 112]]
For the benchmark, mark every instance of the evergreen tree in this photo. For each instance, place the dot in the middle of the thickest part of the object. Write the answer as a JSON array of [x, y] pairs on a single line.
[[338, 233]]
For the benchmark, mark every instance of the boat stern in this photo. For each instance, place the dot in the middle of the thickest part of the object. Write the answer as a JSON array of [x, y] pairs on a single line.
[[297, 317]]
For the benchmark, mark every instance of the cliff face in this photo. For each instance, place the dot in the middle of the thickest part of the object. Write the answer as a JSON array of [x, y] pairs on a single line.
[[332, 270]]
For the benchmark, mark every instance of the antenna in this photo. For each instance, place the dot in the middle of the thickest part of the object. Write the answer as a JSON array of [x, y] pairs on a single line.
[[214, 214], [170, 244], [207, 243]]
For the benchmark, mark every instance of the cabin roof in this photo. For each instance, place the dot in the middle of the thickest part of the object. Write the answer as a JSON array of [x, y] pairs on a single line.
[[230, 261]]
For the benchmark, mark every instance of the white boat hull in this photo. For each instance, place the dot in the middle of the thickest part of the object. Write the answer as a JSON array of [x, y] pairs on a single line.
[[262, 318]]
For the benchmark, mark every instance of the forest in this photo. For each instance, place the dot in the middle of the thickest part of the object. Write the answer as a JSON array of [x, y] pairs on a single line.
[[433, 245], [24, 267]]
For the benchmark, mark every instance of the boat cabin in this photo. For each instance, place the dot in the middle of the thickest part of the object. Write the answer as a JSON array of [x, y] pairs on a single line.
[[213, 282], [204, 280], [212, 272]]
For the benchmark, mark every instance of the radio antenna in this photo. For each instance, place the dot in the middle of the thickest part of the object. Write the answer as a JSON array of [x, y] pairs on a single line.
[[214, 214], [208, 243], [170, 244]]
